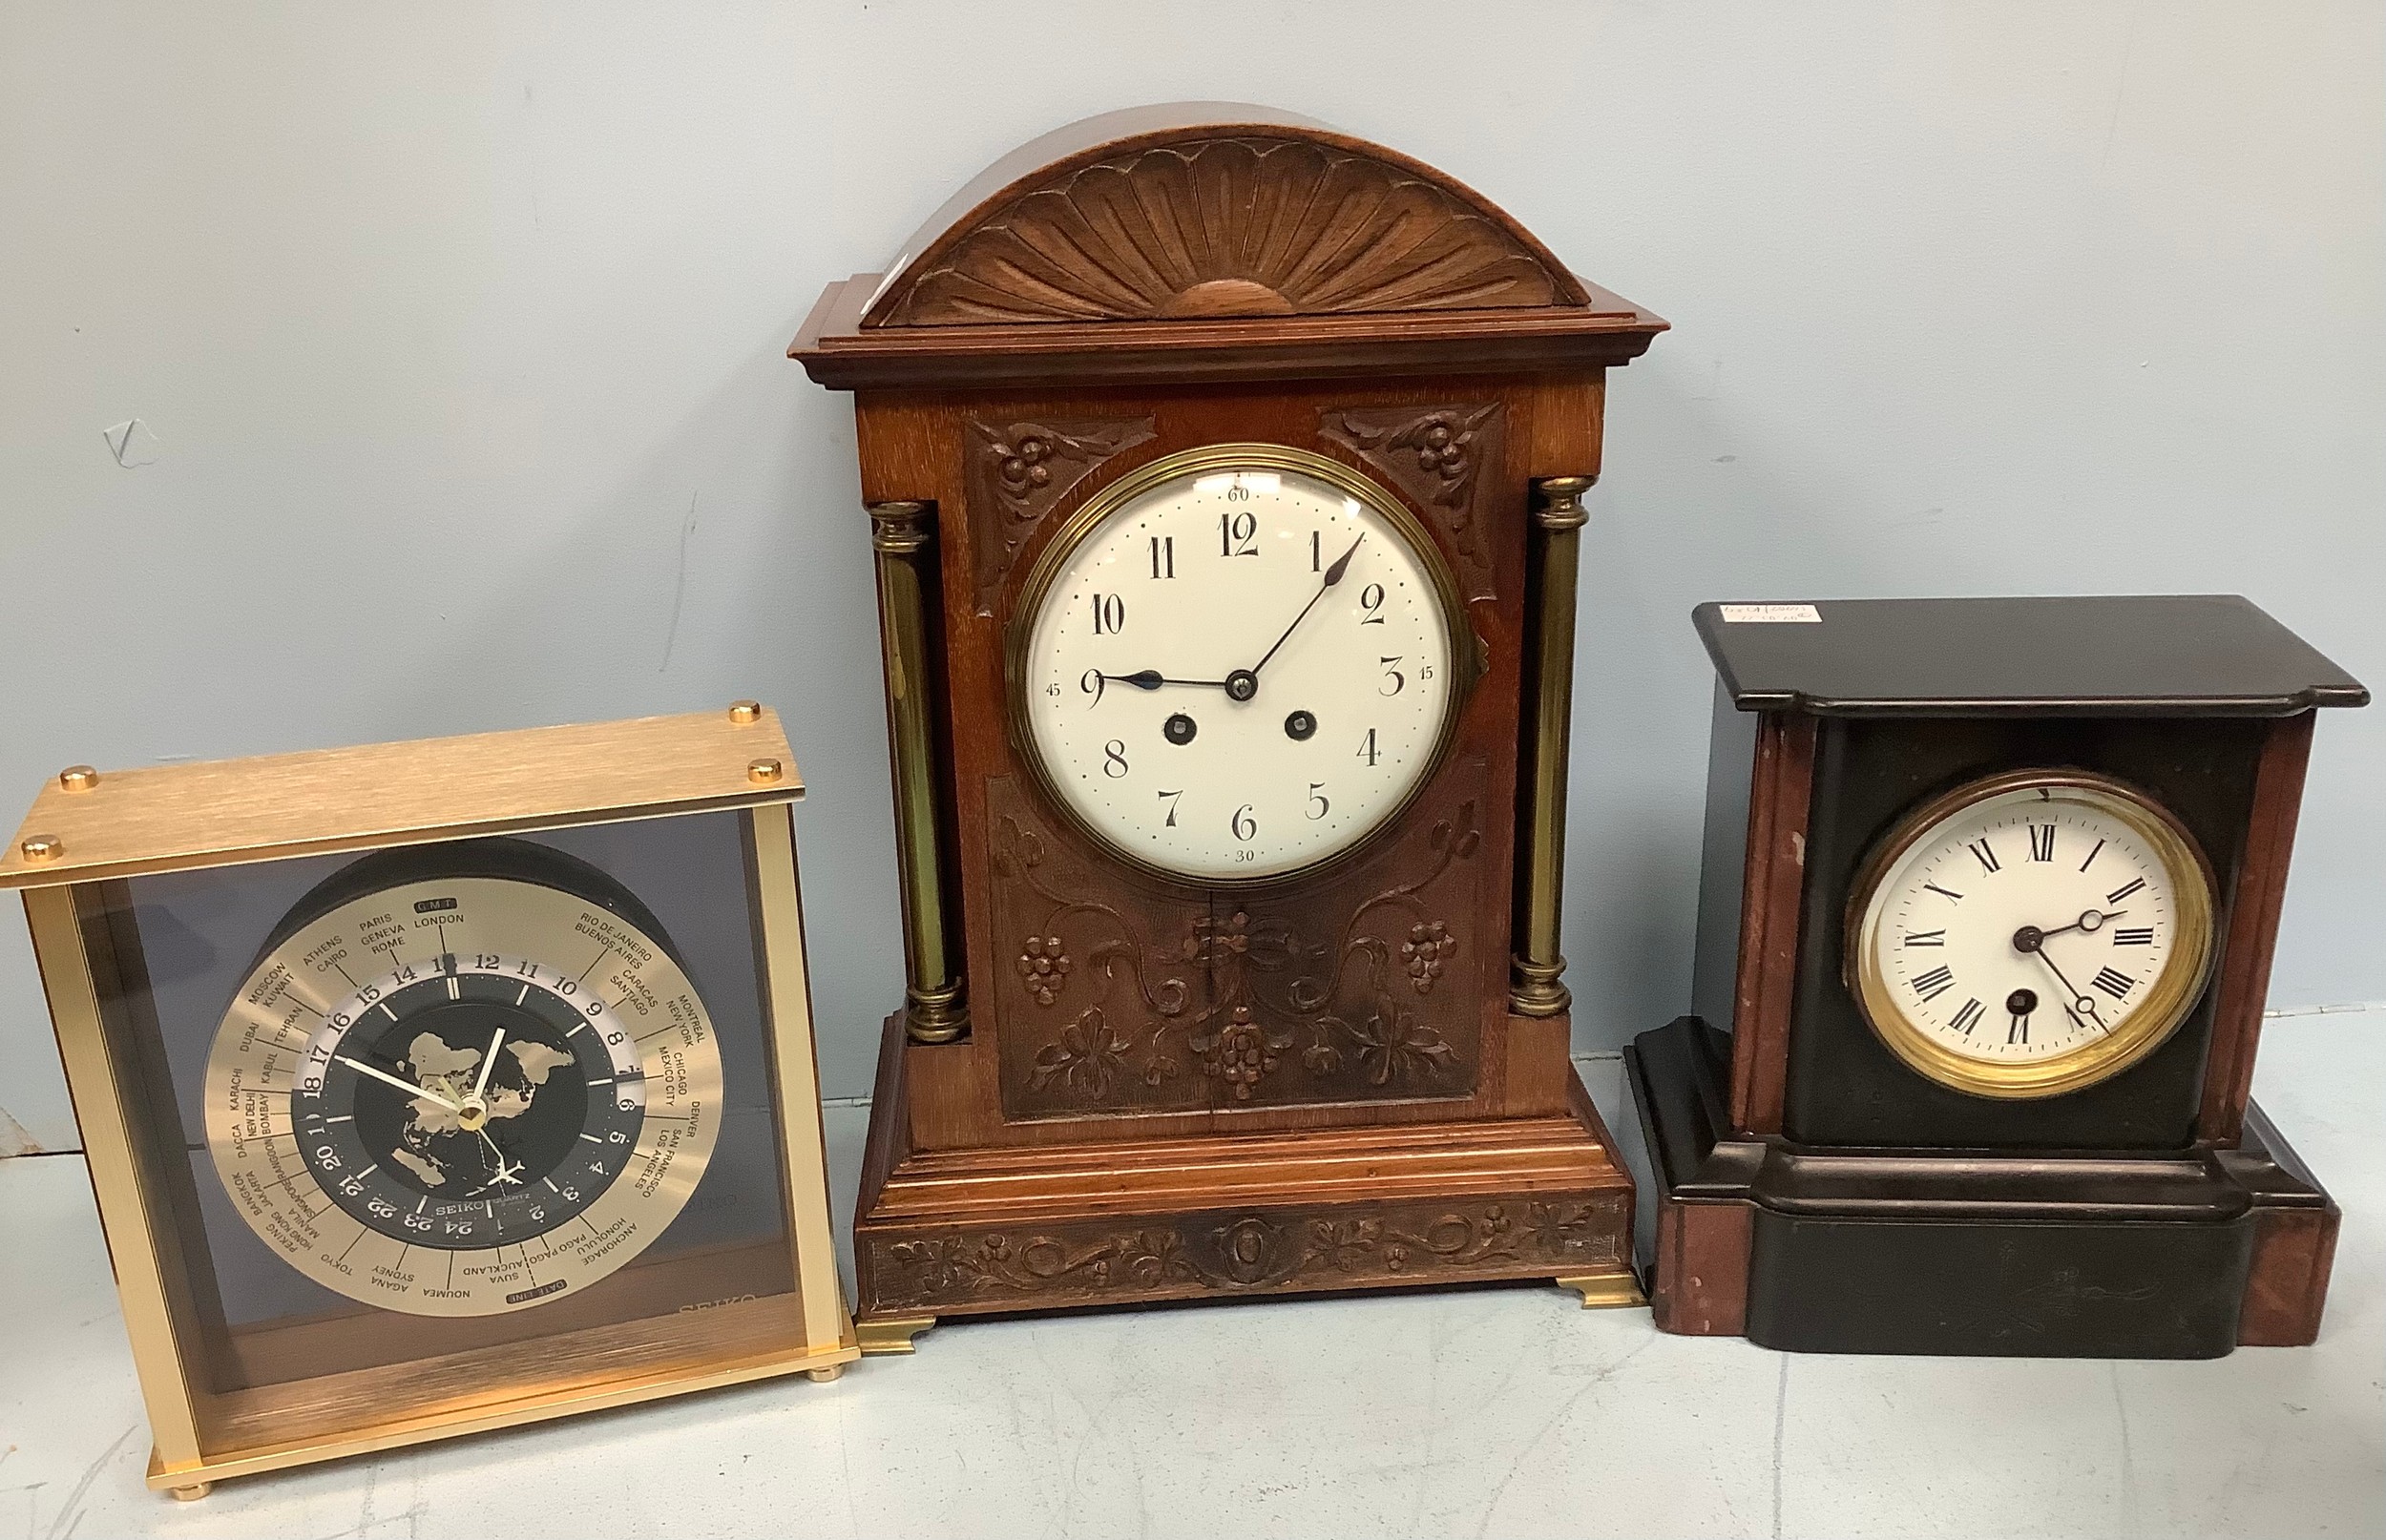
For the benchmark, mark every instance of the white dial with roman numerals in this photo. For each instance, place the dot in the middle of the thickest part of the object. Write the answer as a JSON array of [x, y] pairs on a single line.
[[2032, 934], [1238, 663]]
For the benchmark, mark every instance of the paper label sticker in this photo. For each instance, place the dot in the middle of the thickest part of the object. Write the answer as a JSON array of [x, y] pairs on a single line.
[[1772, 614]]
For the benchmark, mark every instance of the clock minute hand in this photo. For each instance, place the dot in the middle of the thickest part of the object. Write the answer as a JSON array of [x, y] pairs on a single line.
[[406, 1086], [1333, 575]]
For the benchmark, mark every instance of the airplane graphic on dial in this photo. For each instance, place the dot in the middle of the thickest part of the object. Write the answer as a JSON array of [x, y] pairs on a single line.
[[1240, 670], [2038, 924]]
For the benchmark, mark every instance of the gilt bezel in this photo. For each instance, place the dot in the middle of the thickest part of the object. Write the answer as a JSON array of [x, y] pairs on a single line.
[[2166, 1006]]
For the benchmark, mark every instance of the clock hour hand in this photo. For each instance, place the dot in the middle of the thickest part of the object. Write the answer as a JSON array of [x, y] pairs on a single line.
[[1153, 679], [2089, 920]]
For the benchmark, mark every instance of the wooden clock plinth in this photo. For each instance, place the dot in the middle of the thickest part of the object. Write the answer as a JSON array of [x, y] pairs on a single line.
[[2060, 1178], [1128, 411], [1137, 1221]]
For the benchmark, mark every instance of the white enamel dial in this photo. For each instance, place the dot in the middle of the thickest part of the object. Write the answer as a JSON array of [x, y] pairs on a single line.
[[1240, 668], [2033, 938]]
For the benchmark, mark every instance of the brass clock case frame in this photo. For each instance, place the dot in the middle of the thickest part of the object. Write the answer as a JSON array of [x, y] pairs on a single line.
[[2165, 1006], [1467, 661]]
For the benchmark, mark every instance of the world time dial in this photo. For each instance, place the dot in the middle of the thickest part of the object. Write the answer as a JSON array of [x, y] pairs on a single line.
[[466, 1094], [1237, 663], [2031, 934]]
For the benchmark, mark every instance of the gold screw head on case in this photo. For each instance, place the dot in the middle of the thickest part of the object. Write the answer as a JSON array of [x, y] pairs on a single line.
[[41, 847], [765, 772], [78, 777], [745, 712]]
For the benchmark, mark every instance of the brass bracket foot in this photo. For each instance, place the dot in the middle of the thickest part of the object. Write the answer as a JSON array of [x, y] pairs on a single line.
[[825, 1373], [1605, 1291], [890, 1334], [193, 1493]]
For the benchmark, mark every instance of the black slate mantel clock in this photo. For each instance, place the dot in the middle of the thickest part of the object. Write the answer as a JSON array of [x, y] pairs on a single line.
[[1985, 925]]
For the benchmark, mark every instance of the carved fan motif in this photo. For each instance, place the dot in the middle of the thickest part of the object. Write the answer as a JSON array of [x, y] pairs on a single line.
[[1248, 226]]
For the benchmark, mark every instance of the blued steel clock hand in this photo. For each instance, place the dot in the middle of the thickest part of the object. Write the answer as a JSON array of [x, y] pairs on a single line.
[[1153, 679], [1333, 574], [2028, 939], [2089, 920]]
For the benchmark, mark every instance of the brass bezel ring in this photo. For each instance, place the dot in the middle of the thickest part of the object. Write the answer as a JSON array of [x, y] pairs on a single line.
[[1467, 662], [2160, 1014]]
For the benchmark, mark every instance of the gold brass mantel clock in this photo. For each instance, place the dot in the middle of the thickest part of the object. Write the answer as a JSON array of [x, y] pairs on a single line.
[[1985, 936], [437, 1087], [1226, 475]]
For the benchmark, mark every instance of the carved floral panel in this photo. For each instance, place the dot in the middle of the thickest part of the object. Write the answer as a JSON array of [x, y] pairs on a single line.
[[1367, 984], [1436, 456], [1019, 471]]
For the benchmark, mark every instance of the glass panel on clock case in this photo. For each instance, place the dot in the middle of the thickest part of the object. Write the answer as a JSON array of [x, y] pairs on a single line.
[[455, 1098]]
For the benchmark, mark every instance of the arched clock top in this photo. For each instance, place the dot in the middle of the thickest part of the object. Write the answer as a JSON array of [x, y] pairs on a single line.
[[1224, 219], [1235, 240]]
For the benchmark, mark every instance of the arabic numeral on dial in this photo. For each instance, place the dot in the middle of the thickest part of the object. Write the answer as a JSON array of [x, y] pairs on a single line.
[[486, 960], [1238, 533], [570, 1194], [1371, 605], [1317, 550], [1318, 805], [1110, 614], [1091, 682], [1368, 750], [616, 1137], [1244, 826], [1163, 555], [351, 1185], [383, 1208], [1170, 798], [1114, 759], [1393, 680], [414, 1221]]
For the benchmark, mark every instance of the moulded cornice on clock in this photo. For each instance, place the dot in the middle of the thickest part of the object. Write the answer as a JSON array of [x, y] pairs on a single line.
[[1218, 240]]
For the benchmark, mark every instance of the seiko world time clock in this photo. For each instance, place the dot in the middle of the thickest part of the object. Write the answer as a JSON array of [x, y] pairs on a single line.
[[436, 1087], [1984, 932], [1226, 475]]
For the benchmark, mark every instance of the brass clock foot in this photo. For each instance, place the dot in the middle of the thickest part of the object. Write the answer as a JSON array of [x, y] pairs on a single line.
[[1605, 1291], [825, 1373], [890, 1334], [193, 1493]]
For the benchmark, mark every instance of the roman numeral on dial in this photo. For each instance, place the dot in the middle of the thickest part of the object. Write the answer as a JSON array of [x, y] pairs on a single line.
[[2125, 936], [2116, 984], [1926, 938], [1968, 1017], [1932, 985], [2124, 891], [1987, 857], [2041, 841]]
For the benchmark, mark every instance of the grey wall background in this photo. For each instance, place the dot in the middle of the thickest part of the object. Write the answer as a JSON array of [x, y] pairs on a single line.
[[459, 332]]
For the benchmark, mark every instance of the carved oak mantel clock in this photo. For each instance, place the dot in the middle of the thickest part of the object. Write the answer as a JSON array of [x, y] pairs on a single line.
[[1225, 476], [1985, 936]]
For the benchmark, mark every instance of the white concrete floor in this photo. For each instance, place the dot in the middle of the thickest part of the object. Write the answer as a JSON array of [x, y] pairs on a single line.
[[1485, 1413]]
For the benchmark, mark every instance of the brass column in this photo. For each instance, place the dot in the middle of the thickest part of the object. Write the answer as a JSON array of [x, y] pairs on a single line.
[[1558, 518], [933, 1009]]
